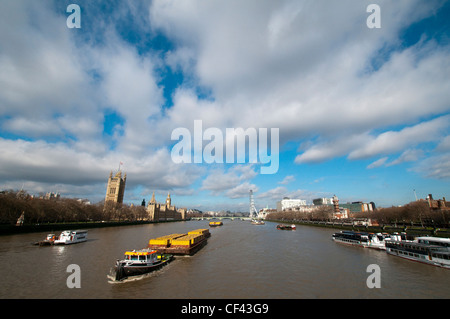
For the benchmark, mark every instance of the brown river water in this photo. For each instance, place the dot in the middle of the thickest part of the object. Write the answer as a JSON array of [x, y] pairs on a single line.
[[240, 261]]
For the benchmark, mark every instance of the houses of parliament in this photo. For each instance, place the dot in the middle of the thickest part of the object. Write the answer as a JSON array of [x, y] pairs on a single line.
[[115, 191]]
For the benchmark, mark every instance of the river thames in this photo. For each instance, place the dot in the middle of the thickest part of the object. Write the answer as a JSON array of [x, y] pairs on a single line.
[[240, 261]]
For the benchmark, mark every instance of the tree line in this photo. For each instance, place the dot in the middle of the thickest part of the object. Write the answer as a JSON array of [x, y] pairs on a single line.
[[415, 213], [63, 210]]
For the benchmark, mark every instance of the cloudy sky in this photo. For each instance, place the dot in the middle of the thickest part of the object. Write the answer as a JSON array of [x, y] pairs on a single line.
[[362, 112]]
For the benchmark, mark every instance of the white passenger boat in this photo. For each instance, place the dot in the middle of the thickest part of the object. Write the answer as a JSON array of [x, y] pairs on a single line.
[[362, 239], [429, 250], [257, 222], [71, 237]]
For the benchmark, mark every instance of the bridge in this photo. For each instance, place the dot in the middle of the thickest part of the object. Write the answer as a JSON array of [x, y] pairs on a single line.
[[220, 218]]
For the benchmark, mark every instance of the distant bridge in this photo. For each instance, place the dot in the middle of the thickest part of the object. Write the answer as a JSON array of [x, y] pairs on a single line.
[[220, 218]]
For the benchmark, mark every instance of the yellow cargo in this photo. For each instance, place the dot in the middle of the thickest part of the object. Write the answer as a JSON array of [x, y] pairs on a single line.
[[187, 240], [164, 240], [199, 231]]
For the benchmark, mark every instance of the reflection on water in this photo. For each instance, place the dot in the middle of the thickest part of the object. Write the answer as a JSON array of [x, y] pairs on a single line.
[[241, 260]]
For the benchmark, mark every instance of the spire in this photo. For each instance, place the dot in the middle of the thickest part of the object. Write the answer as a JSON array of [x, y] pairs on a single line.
[[168, 200], [153, 200]]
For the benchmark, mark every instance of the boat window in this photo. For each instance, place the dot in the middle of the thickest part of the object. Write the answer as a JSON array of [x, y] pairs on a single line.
[[134, 257], [142, 257]]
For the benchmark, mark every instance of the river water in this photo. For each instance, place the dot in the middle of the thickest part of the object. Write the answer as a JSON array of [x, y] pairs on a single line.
[[241, 260]]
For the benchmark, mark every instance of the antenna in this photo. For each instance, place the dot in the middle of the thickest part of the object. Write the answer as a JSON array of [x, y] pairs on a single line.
[[415, 194]]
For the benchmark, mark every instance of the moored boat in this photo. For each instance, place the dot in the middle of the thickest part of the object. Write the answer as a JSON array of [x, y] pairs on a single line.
[[139, 263], [68, 237], [429, 250], [366, 240], [286, 227]]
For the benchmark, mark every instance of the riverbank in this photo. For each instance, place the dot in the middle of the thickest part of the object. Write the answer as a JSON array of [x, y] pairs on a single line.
[[52, 227], [412, 231]]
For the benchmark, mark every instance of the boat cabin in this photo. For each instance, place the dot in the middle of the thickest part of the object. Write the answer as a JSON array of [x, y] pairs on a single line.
[[143, 256], [437, 241]]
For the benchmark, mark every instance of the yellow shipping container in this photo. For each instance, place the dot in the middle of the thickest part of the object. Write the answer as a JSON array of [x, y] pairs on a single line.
[[164, 240], [187, 240], [199, 231]]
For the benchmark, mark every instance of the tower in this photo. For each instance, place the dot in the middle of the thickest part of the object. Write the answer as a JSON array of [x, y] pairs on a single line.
[[116, 187], [336, 204], [168, 200], [253, 213]]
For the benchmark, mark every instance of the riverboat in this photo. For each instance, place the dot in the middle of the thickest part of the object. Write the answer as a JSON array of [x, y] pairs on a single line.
[[429, 250], [139, 263], [362, 239], [287, 227], [68, 237], [215, 224], [257, 222]]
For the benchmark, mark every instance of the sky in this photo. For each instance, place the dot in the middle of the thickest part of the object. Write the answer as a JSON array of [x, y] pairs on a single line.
[[362, 113]]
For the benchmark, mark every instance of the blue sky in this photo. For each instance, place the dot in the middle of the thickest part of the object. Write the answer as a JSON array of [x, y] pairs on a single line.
[[362, 113]]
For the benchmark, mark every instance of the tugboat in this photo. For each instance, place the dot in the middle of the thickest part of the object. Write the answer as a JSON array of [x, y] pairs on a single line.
[[50, 240], [140, 262], [287, 227]]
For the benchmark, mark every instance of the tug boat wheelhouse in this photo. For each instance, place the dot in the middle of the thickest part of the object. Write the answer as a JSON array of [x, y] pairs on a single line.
[[140, 262], [429, 250], [68, 237], [369, 240]]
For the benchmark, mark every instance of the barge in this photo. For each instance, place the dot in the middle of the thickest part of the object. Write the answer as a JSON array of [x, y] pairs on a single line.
[[180, 244]]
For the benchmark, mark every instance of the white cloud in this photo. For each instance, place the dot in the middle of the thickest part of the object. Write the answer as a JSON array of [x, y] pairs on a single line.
[[365, 145], [394, 141], [304, 67], [378, 163], [436, 167], [287, 180], [234, 182]]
